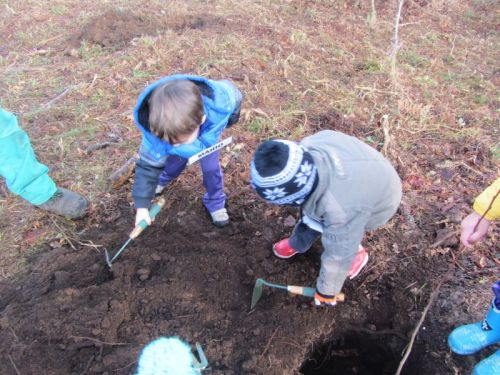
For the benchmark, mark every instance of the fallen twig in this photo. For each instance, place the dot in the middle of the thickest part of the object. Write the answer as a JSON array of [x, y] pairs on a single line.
[[124, 367], [444, 239], [91, 244], [99, 341], [98, 146], [63, 233], [387, 135], [88, 365], [118, 177], [14, 365], [50, 103], [406, 212], [269, 343], [420, 322]]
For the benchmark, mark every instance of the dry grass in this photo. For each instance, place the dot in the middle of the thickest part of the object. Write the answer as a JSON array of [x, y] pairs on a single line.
[[294, 60]]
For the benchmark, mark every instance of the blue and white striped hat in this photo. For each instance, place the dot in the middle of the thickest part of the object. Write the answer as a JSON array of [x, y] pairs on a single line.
[[283, 172]]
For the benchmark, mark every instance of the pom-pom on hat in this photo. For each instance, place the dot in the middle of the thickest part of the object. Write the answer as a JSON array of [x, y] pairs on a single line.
[[167, 356], [283, 172]]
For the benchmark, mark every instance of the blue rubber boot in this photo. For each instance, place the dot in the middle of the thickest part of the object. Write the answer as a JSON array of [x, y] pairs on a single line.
[[470, 338], [489, 365]]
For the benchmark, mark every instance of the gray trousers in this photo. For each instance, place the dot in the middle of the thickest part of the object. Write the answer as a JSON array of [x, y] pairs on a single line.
[[303, 237]]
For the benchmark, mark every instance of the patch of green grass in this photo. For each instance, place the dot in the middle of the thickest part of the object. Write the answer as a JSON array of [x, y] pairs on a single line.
[[58, 10], [432, 38], [90, 51], [26, 37], [450, 76], [449, 59], [298, 37], [78, 132], [475, 83], [464, 134], [257, 125], [369, 65], [138, 73], [495, 152], [469, 13], [481, 99], [147, 41], [427, 81], [413, 59]]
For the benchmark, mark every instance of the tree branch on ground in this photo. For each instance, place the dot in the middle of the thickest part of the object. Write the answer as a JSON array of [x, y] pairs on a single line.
[[395, 45]]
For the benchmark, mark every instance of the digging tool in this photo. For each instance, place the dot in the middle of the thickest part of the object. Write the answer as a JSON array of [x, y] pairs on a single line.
[[203, 362], [294, 289], [155, 209]]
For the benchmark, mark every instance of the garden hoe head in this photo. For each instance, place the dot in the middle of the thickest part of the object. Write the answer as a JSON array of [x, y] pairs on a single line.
[[294, 289], [257, 292]]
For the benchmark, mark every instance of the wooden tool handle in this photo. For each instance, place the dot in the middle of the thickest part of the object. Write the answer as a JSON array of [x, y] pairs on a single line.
[[154, 210]]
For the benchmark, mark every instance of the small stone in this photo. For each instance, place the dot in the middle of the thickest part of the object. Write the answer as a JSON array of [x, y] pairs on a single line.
[[71, 292], [105, 323], [96, 331], [74, 52], [156, 257], [143, 277], [289, 221], [143, 271], [256, 332], [371, 327], [209, 234], [249, 272], [95, 267]]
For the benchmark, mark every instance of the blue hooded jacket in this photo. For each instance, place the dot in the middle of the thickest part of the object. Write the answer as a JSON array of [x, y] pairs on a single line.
[[221, 102]]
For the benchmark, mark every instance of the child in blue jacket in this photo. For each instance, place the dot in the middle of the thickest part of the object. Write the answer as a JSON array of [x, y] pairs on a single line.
[[179, 116]]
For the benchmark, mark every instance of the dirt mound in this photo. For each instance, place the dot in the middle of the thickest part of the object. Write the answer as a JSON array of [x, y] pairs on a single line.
[[115, 28], [71, 315]]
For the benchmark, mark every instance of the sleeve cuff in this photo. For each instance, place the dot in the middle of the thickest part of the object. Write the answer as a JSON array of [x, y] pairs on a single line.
[[480, 210], [142, 203]]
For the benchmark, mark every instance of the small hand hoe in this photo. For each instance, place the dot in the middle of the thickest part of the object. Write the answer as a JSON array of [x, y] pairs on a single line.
[[294, 289], [155, 209]]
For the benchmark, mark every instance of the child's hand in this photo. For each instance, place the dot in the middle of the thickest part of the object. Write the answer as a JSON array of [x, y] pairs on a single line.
[[142, 214], [468, 235]]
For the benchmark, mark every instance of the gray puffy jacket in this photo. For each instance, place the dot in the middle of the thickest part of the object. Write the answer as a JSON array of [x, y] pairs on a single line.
[[358, 190]]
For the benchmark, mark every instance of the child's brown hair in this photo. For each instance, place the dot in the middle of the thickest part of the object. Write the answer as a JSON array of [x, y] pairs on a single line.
[[175, 110]]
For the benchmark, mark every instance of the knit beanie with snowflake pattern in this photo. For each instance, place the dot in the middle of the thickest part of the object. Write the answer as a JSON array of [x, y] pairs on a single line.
[[283, 172]]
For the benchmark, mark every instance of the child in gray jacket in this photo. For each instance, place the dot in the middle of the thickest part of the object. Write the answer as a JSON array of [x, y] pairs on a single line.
[[343, 187]]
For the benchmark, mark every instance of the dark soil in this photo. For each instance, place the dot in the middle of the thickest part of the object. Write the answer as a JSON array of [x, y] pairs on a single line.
[[116, 28], [70, 314]]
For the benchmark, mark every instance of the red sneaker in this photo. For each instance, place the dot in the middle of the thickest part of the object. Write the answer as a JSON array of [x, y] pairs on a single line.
[[283, 250], [358, 263]]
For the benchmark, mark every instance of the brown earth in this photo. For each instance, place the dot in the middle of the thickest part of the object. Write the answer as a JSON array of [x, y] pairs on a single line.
[[117, 28], [67, 313], [70, 314]]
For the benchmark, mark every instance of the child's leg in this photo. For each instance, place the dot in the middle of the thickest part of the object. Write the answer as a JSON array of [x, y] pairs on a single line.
[[303, 237], [213, 180], [24, 175], [173, 168]]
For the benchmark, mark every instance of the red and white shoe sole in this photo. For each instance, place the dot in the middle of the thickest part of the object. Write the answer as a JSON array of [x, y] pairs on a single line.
[[360, 268], [283, 256]]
